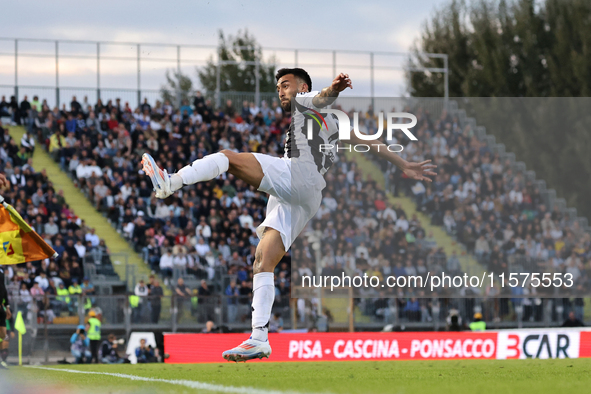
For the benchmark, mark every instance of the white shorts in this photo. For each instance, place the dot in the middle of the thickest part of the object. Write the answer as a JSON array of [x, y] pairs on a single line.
[[295, 193]]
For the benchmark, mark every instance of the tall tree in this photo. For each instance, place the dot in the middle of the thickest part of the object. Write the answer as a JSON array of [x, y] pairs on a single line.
[[446, 33], [178, 87], [239, 76], [521, 49], [507, 48]]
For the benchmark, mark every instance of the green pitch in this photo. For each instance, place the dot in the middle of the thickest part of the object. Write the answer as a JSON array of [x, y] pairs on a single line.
[[457, 377]]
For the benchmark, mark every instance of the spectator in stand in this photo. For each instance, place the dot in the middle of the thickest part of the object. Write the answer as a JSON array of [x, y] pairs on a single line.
[[92, 238], [87, 288], [182, 294], [166, 265], [276, 323], [156, 294], [205, 301], [232, 292], [75, 290], [209, 328], [4, 108], [142, 291], [42, 280], [24, 301], [572, 321]]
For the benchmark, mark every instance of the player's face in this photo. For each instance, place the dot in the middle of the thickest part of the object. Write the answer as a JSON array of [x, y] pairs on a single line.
[[287, 87]]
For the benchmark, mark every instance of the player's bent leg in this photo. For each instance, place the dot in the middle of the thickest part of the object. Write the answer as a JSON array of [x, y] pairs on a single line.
[[269, 251], [268, 254]]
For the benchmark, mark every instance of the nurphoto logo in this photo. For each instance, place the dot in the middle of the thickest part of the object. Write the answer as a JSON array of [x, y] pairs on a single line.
[[394, 121]]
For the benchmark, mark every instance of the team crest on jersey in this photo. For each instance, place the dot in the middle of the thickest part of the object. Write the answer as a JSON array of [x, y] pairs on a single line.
[[8, 249]]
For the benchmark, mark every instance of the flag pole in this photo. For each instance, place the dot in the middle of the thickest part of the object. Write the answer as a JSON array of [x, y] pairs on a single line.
[[20, 349], [19, 325]]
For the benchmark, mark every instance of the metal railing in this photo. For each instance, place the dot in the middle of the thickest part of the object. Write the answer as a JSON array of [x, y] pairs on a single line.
[[135, 56], [50, 320], [169, 313], [191, 312]]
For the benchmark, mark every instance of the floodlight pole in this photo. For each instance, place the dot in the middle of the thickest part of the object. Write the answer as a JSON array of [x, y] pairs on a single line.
[[334, 64], [257, 88], [218, 81], [178, 71], [139, 92], [98, 70], [16, 69], [57, 75], [371, 77]]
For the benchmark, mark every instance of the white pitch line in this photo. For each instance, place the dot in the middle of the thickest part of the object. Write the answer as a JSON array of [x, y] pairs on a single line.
[[187, 383]]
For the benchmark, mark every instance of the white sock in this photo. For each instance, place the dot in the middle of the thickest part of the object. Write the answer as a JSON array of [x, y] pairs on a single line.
[[210, 167], [176, 182], [263, 288]]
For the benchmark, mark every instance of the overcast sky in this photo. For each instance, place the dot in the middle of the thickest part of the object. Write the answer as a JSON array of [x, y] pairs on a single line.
[[378, 25]]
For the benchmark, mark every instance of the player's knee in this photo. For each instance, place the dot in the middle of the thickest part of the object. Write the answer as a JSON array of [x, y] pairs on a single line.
[[230, 154], [257, 266]]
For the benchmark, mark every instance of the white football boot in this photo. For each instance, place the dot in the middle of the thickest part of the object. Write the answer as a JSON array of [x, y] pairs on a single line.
[[160, 178], [248, 350]]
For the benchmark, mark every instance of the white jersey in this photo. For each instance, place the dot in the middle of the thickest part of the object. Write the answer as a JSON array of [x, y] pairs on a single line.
[[321, 148]]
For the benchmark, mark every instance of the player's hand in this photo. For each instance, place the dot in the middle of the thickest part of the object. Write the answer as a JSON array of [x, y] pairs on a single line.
[[419, 170], [341, 82]]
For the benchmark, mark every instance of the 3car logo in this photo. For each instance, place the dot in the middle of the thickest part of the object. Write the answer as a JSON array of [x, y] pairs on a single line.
[[538, 344]]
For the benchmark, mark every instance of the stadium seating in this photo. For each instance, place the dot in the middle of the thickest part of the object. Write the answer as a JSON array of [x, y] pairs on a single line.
[[209, 228]]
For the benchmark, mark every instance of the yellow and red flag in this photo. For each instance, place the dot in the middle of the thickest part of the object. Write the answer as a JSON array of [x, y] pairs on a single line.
[[19, 243]]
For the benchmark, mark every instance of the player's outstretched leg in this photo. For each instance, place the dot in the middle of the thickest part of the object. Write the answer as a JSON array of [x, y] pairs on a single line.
[[268, 254], [243, 165]]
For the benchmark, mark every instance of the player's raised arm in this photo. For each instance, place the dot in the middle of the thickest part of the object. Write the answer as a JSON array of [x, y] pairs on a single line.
[[418, 171], [330, 93]]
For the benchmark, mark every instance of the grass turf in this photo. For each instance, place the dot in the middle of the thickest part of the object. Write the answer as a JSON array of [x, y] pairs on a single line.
[[466, 376]]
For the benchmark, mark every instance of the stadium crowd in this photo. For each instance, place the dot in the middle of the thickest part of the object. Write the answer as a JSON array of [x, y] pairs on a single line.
[[498, 214], [33, 195], [207, 230]]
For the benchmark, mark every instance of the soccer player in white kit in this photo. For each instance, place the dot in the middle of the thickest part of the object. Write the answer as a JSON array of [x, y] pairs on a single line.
[[294, 183]]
